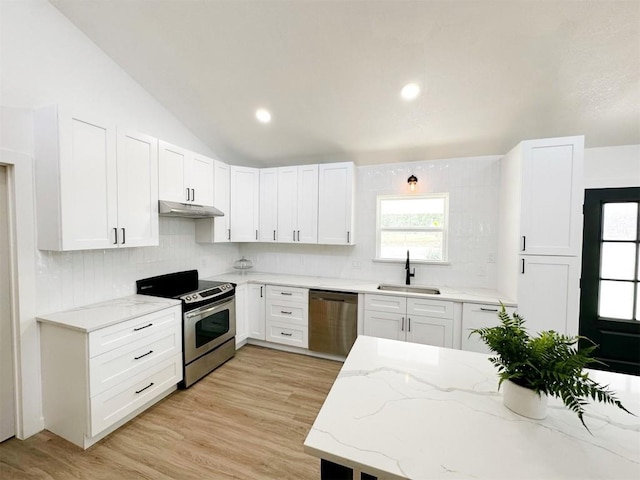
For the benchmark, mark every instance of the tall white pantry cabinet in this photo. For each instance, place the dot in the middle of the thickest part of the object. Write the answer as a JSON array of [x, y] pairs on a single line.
[[539, 238], [96, 185]]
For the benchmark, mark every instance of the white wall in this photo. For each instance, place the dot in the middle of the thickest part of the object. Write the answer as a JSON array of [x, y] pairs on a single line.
[[46, 60], [612, 167], [472, 184]]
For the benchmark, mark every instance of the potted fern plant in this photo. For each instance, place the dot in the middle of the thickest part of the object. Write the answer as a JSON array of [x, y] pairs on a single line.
[[531, 368]]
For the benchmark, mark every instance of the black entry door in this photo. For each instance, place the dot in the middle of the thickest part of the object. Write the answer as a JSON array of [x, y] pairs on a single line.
[[609, 298]]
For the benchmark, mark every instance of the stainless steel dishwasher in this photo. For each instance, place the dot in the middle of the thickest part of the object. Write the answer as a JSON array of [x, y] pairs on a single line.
[[333, 321]]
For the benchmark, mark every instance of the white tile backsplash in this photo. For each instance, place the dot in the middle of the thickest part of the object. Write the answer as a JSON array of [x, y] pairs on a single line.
[[472, 184], [70, 279]]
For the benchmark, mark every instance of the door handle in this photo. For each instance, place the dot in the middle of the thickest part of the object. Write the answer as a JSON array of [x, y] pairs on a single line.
[[256, 234], [261, 287], [286, 313], [228, 234], [294, 235], [143, 355], [524, 242], [488, 309], [143, 389], [286, 293], [274, 235], [402, 326], [348, 237], [188, 195], [286, 334], [115, 234], [193, 194], [409, 324], [523, 265], [298, 235], [142, 328], [124, 237]]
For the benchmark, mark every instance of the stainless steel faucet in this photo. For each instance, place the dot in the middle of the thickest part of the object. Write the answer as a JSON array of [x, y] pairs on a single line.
[[408, 269]]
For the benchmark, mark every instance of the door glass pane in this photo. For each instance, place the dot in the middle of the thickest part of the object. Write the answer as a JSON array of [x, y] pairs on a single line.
[[618, 260], [212, 327], [616, 300], [619, 221], [422, 245]]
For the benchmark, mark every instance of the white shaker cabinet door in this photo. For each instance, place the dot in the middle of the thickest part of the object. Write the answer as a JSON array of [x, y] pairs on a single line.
[[245, 198], [267, 230], [221, 196], [307, 204], [429, 331], [172, 166], [287, 204], [385, 325], [335, 203], [552, 194], [548, 293], [137, 189], [200, 180], [256, 311]]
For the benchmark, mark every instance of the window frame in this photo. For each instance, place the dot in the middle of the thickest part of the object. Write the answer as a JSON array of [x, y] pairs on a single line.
[[444, 229]]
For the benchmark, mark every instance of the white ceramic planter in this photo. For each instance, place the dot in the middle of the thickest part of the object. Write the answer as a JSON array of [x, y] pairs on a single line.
[[524, 401]]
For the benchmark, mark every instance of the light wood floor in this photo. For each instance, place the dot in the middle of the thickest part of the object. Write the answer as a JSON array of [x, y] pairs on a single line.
[[246, 420]]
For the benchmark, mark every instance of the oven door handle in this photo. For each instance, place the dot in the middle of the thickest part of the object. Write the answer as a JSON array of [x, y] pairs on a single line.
[[197, 313]]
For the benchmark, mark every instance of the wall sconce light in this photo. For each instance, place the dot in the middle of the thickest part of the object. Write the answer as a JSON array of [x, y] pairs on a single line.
[[412, 181]]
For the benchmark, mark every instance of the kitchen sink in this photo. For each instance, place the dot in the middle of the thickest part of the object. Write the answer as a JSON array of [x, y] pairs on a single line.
[[409, 289]]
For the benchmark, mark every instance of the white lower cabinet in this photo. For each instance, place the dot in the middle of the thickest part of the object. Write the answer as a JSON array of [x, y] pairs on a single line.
[[287, 316], [476, 315], [417, 320], [93, 382], [242, 317], [256, 301]]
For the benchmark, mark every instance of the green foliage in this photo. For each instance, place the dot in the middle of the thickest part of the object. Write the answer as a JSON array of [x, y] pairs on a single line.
[[548, 363]]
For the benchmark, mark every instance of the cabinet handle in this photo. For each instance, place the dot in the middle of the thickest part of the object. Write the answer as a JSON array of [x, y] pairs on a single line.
[[188, 195], [124, 237], [402, 326], [409, 323], [294, 235], [524, 242], [488, 309], [286, 293], [228, 234], [144, 355], [261, 291], [141, 328], [286, 313], [286, 334], [348, 237], [193, 194], [274, 235], [115, 234], [523, 265], [256, 234], [298, 235], [143, 389]]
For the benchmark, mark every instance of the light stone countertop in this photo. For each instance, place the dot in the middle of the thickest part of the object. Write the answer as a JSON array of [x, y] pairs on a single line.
[[402, 410], [469, 295], [99, 315]]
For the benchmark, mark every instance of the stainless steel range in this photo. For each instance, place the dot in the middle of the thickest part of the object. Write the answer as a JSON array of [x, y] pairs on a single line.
[[208, 319]]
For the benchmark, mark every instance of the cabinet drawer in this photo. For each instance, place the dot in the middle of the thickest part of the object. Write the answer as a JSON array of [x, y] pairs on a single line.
[[287, 334], [292, 294], [429, 308], [118, 402], [123, 333], [475, 315], [111, 368], [385, 303], [292, 312]]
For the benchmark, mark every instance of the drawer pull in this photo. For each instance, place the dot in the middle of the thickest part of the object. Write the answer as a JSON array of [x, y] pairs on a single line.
[[488, 309], [144, 355], [286, 334], [286, 293], [140, 328], [286, 313], [148, 386]]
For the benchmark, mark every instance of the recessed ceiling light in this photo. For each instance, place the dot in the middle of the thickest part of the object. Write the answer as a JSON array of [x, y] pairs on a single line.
[[263, 115], [410, 91]]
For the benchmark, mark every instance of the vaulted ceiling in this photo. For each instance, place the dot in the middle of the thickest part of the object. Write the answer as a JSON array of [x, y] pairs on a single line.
[[491, 73]]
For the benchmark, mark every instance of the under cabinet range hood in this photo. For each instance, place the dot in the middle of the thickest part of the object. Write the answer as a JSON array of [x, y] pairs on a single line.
[[187, 210]]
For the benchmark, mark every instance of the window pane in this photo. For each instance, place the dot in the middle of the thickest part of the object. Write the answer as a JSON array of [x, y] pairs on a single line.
[[619, 221], [412, 213], [618, 261], [422, 245], [616, 300]]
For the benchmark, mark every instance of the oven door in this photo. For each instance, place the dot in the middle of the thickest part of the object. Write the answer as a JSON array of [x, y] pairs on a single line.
[[208, 327]]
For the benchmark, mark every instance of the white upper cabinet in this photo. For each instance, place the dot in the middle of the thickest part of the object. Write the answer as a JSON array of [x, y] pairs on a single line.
[[244, 207], [336, 203], [542, 191], [137, 189], [184, 176], [298, 204], [267, 230], [217, 229], [77, 191]]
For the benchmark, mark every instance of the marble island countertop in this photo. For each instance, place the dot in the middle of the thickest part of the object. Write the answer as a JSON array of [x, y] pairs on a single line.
[[99, 315], [402, 410], [470, 295]]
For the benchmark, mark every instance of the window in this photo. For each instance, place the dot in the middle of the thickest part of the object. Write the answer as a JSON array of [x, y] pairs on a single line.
[[417, 223]]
